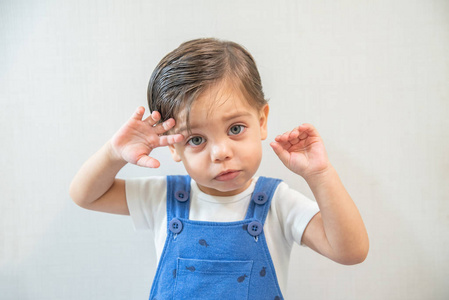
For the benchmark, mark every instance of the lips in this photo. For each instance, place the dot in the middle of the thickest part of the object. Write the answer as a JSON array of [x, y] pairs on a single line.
[[227, 175]]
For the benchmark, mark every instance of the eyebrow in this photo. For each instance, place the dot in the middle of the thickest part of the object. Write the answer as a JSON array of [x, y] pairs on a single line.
[[225, 119], [236, 115]]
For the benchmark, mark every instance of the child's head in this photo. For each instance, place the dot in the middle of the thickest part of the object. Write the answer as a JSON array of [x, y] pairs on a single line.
[[213, 91], [183, 74]]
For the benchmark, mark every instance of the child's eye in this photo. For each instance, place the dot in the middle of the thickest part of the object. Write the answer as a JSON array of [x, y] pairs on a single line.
[[196, 141], [236, 129]]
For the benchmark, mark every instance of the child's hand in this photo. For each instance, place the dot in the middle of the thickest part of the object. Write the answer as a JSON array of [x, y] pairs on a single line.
[[302, 151], [137, 138]]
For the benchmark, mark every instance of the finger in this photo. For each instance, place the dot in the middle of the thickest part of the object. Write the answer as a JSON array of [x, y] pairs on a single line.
[[283, 137], [287, 139], [153, 118], [283, 144], [138, 114], [293, 138], [307, 130], [165, 126], [286, 135], [148, 162], [166, 140], [280, 152]]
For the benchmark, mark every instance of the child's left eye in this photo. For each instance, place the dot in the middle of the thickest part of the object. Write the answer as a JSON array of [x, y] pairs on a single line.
[[236, 129]]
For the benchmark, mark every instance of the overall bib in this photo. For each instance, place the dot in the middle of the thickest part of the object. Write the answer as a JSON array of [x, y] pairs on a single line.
[[216, 260]]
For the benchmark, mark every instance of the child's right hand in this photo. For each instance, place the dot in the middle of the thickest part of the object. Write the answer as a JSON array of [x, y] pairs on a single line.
[[137, 138]]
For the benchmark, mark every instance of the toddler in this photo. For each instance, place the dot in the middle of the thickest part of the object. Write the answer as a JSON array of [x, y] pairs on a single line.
[[220, 232]]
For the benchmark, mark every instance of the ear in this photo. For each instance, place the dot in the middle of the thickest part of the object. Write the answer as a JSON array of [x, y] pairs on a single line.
[[263, 119], [174, 153]]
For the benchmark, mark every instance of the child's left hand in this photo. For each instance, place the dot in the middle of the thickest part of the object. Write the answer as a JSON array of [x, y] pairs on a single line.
[[302, 151]]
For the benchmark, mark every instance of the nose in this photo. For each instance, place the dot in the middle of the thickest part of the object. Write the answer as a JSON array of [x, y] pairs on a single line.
[[221, 151]]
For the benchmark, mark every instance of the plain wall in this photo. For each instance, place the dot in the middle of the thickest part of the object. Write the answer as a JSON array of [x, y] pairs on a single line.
[[372, 76]]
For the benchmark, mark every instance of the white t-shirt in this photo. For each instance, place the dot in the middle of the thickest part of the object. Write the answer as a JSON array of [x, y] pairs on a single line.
[[287, 218]]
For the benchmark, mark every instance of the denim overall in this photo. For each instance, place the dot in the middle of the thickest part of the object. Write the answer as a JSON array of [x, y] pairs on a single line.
[[216, 260]]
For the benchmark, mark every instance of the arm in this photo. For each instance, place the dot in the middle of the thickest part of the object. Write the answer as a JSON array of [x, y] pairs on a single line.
[[337, 232], [95, 186]]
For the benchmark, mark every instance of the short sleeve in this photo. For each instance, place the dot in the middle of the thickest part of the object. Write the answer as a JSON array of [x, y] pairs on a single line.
[[146, 198], [294, 212]]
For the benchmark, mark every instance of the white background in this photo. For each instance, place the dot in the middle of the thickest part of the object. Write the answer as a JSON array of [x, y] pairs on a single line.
[[372, 76]]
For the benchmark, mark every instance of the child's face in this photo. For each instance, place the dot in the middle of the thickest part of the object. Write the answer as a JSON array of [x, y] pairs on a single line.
[[224, 149]]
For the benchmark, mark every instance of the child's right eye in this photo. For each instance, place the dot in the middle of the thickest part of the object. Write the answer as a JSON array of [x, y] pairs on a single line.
[[195, 141]]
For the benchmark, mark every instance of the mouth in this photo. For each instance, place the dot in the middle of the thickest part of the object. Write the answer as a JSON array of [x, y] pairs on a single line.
[[227, 175]]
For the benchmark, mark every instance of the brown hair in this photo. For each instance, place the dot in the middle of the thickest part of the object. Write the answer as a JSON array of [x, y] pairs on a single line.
[[184, 73]]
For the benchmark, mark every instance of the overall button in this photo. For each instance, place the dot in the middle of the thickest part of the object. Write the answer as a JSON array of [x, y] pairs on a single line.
[[175, 226], [260, 198], [255, 228], [181, 196]]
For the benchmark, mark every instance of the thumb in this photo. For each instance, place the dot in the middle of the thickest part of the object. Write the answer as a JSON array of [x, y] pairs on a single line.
[[283, 154], [148, 162]]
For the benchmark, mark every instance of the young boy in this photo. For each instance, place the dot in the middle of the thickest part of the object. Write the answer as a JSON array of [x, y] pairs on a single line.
[[220, 233]]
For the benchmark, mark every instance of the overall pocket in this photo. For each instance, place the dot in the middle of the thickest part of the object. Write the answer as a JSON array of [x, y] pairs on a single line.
[[212, 279]]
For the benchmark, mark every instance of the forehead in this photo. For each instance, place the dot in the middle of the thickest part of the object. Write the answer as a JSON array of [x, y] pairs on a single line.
[[221, 101]]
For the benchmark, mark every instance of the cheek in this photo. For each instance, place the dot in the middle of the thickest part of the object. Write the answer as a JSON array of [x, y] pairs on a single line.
[[252, 151], [193, 162]]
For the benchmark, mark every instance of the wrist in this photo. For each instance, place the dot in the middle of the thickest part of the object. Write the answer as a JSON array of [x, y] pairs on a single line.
[[113, 155], [324, 175], [327, 187]]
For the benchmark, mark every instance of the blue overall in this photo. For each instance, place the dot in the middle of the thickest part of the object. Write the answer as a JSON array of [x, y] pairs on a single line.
[[216, 260]]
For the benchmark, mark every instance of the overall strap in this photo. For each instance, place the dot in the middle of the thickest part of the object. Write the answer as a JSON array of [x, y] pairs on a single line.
[[261, 198], [178, 196]]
